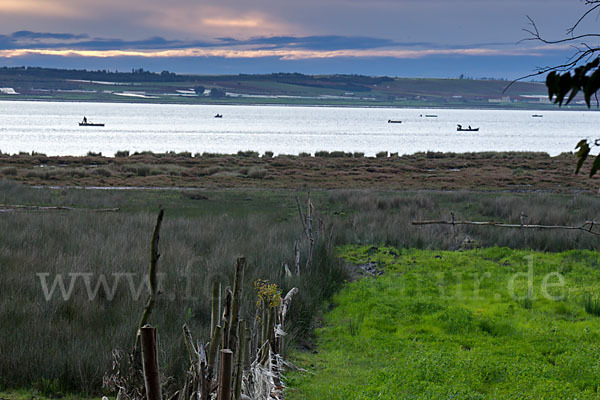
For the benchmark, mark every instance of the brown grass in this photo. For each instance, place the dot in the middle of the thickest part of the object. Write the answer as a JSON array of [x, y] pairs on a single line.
[[445, 171]]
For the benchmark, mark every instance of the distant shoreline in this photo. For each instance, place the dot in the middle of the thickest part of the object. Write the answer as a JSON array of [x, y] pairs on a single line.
[[288, 89]]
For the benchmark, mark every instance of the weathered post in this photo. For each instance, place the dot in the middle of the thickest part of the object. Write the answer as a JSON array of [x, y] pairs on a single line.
[[248, 354], [226, 320], [216, 307], [235, 303], [152, 278], [213, 349], [297, 257], [522, 218], [311, 239], [150, 362], [224, 392], [240, 356], [453, 231]]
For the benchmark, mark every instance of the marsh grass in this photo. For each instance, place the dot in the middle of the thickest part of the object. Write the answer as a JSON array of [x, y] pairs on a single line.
[[326, 170], [70, 342], [591, 305]]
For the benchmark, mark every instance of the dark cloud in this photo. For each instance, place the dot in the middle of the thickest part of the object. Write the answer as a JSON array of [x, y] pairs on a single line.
[[323, 42], [41, 40], [26, 39], [44, 35]]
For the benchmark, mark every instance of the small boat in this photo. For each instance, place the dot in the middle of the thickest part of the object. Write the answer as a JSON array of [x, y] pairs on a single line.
[[430, 116], [219, 116], [85, 122], [459, 128], [391, 121], [536, 115]]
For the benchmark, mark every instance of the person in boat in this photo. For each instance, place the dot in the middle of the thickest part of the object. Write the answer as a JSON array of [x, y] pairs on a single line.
[[470, 127], [459, 126], [84, 120]]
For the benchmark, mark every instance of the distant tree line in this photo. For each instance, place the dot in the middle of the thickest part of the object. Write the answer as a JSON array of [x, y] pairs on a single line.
[[136, 75], [348, 82]]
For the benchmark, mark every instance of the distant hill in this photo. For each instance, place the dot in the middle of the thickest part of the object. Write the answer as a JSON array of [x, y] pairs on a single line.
[[282, 88]]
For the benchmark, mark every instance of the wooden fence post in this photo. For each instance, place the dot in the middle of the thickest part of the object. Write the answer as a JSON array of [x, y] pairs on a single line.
[[225, 373], [150, 362], [453, 232], [215, 307], [236, 304], [240, 357], [522, 218]]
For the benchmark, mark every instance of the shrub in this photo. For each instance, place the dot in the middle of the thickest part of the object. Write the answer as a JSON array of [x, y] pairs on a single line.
[[103, 172], [268, 154], [339, 154], [381, 154], [321, 153], [169, 169], [257, 173], [247, 153], [122, 153], [137, 169], [358, 154], [9, 171], [212, 155], [303, 154], [76, 172], [145, 153], [92, 154], [212, 170]]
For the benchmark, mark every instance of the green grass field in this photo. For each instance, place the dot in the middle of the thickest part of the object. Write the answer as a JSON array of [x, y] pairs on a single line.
[[493, 323]]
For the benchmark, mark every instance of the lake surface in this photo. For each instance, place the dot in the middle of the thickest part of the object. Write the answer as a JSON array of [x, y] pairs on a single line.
[[52, 128]]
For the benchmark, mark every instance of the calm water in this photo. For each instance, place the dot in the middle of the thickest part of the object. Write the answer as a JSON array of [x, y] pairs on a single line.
[[52, 128]]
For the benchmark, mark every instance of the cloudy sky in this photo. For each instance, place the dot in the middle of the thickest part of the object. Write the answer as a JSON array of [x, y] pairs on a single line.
[[442, 38]]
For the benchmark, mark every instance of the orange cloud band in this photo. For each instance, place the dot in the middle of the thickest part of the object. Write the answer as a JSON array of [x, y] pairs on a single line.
[[284, 54]]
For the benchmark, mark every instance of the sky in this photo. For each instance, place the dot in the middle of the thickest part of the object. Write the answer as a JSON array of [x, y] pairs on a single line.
[[412, 38]]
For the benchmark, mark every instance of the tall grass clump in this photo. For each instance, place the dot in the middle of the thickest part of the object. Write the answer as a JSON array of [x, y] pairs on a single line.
[[9, 171], [591, 305], [138, 169], [257, 173], [105, 172]]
